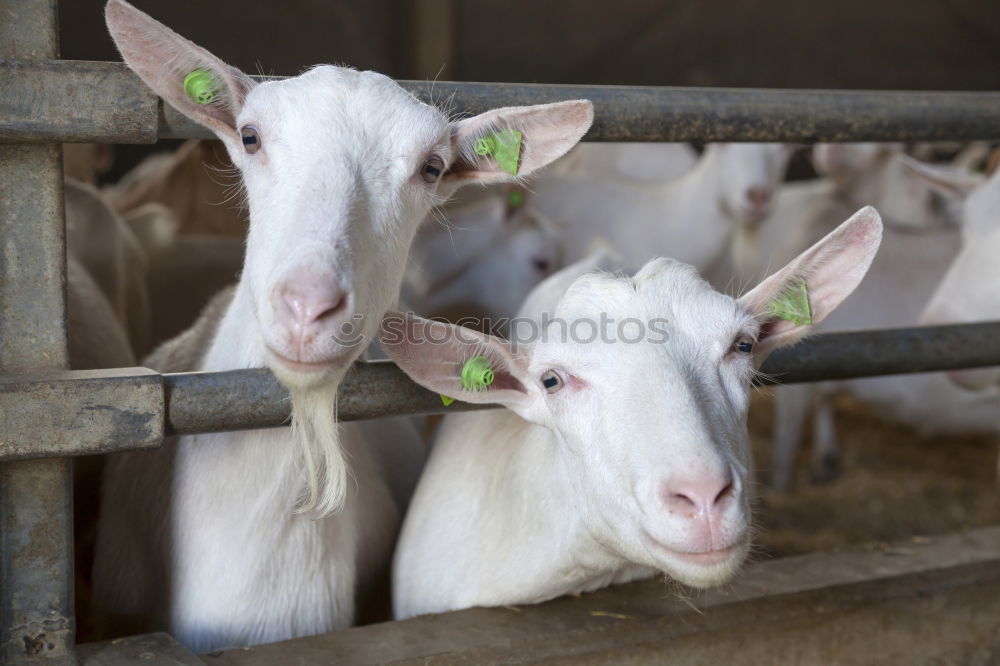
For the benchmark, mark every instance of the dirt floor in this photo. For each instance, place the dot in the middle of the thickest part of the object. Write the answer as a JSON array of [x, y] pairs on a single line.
[[894, 484]]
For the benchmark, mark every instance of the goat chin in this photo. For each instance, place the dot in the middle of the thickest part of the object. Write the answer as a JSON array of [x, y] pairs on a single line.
[[323, 463]]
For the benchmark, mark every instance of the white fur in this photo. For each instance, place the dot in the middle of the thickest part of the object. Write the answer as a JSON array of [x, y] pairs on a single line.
[[106, 247], [969, 289], [691, 218], [483, 260], [644, 162], [196, 181], [920, 242], [640, 463], [236, 538]]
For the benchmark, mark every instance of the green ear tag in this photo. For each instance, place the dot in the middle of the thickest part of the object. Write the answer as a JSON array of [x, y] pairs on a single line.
[[504, 146], [792, 305], [515, 198], [477, 374], [200, 86]]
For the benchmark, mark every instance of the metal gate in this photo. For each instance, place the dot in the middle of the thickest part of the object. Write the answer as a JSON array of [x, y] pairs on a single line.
[[48, 413]]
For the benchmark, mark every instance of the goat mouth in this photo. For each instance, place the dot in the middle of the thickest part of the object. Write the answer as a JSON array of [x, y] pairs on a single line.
[[306, 367], [708, 557], [704, 558]]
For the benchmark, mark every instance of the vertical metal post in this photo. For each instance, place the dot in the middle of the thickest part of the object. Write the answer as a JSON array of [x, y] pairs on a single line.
[[36, 539]]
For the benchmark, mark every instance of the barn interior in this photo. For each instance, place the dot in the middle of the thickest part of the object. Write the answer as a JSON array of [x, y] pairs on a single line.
[[894, 489]]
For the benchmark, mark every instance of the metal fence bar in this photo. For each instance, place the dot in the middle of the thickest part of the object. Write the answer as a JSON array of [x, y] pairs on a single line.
[[203, 402], [36, 539], [242, 399], [103, 101], [86, 411], [67, 100]]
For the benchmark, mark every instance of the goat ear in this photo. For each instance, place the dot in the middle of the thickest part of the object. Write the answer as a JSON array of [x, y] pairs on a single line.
[[434, 353], [792, 301], [523, 138], [163, 60], [949, 181]]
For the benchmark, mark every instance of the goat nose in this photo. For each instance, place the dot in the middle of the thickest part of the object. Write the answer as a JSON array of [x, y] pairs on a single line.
[[309, 304], [703, 495], [758, 196]]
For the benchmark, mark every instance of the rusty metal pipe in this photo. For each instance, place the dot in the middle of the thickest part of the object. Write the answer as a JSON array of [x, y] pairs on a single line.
[[104, 102], [242, 399]]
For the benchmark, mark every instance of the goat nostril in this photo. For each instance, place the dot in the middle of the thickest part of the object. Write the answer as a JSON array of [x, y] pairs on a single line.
[[681, 498], [701, 495], [541, 265], [306, 309], [725, 492], [337, 304]]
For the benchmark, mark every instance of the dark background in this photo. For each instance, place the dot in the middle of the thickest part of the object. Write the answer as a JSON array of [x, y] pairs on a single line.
[[891, 44], [920, 44]]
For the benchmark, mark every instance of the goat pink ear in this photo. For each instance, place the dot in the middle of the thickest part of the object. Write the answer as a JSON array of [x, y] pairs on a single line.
[[791, 302], [168, 64], [506, 144], [434, 353]]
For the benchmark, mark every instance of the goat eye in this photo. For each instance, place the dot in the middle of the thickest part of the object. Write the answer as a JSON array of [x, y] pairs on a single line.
[[432, 169], [551, 381], [743, 344], [251, 139]]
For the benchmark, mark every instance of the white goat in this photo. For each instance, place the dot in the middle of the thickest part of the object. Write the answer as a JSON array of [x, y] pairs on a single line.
[[879, 175], [340, 166], [100, 240], [185, 270], [97, 336], [969, 290], [618, 458], [195, 181], [692, 218], [644, 162], [920, 241]]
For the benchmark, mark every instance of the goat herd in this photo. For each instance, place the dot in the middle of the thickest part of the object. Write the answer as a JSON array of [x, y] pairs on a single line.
[[623, 450]]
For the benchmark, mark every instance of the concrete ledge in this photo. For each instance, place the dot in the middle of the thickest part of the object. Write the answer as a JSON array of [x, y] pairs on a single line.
[[157, 649], [921, 601]]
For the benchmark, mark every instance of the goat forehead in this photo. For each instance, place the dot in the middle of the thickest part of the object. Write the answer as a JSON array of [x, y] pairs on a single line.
[[664, 288], [664, 314], [341, 103]]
